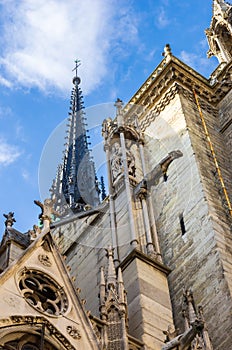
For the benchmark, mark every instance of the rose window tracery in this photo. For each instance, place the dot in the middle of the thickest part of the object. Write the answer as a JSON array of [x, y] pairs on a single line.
[[43, 293]]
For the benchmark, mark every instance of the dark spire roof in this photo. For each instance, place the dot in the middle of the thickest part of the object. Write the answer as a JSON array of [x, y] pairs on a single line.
[[75, 185]]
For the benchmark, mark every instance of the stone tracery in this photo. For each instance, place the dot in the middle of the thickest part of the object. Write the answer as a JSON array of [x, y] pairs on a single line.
[[42, 293]]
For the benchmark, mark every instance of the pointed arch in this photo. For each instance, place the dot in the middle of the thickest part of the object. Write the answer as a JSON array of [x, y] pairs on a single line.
[[29, 333]]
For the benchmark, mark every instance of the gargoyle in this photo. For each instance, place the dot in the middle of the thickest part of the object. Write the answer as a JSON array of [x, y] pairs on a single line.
[[184, 340], [159, 170]]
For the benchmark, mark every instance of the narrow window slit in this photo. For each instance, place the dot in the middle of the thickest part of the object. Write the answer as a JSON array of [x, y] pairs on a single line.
[[182, 224]]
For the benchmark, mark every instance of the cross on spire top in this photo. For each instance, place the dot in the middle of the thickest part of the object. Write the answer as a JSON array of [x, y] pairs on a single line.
[[78, 63], [76, 79]]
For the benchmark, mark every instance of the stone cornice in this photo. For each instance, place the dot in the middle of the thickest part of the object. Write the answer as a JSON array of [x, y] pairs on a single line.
[[155, 109], [175, 71], [149, 115], [136, 254]]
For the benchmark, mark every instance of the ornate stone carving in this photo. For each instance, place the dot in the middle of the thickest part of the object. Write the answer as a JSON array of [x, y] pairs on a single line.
[[117, 161], [108, 126], [43, 293], [34, 320], [45, 260], [34, 232], [73, 332], [148, 97], [47, 209], [10, 220], [97, 329], [151, 116], [195, 335], [171, 333]]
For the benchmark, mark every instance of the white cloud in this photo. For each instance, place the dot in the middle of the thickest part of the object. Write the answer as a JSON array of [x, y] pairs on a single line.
[[8, 153], [25, 175], [5, 112], [162, 20], [5, 82], [42, 38], [188, 58], [196, 61]]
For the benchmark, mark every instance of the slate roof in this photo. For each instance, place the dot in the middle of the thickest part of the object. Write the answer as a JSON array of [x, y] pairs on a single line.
[[12, 234]]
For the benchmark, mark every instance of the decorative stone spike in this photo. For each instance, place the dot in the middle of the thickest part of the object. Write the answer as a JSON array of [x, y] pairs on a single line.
[[167, 52], [189, 306], [121, 289], [10, 220], [111, 274], [102, 287]]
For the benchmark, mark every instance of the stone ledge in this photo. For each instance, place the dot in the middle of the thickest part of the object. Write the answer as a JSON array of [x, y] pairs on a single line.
[[136, 254]]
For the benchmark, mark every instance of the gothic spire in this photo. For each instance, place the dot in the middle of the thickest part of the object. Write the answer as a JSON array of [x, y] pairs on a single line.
[[76, 185]]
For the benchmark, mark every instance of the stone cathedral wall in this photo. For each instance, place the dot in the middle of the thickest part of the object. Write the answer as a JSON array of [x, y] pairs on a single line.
[[225, 119], [192, 221], [196, 250]]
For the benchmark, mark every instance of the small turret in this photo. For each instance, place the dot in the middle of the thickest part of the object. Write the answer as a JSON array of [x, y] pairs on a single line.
[[113, 305], [13, 242]]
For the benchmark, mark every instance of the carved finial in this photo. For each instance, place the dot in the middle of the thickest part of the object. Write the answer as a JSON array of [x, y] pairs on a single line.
[[106, 127], [33, 234], [47, 209], [167, 52], [121, 289], [195, 335], [189, 306], [118, 104], [9, 219], [111, 274], [102, 287]]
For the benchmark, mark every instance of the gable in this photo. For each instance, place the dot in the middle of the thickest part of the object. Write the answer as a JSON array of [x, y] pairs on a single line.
[[37, 295]]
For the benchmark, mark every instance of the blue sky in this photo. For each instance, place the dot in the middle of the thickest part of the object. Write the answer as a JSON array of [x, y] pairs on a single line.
[[119, 43]]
